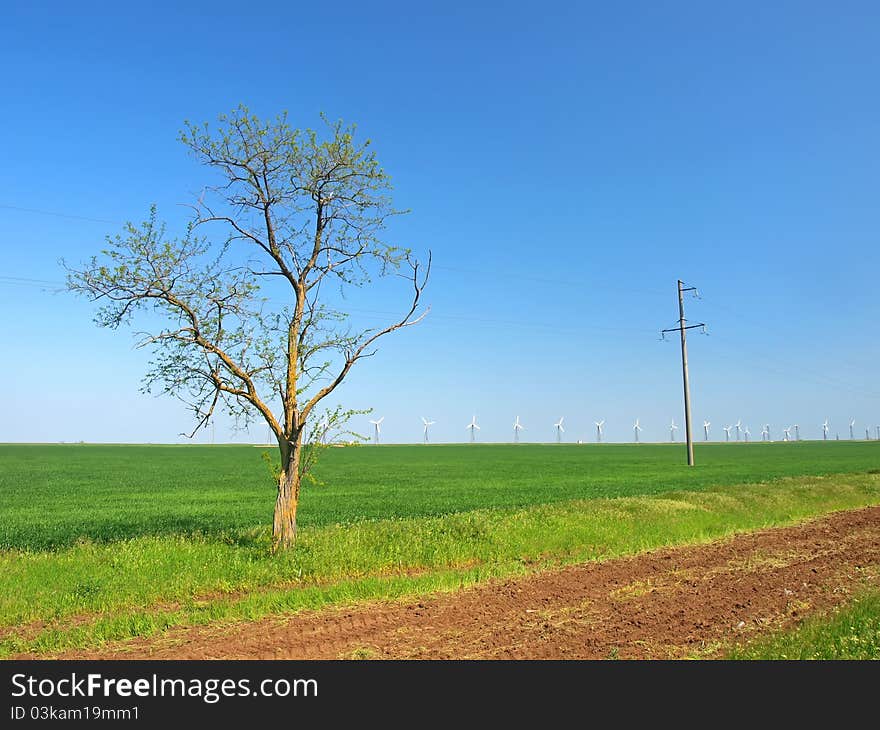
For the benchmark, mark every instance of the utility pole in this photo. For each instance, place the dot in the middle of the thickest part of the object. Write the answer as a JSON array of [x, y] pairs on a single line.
[[682, 329]]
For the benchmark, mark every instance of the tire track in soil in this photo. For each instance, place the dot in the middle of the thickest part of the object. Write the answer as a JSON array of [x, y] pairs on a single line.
[[668, 603]]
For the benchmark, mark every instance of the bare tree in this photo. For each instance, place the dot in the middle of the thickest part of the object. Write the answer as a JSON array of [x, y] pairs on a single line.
[[244, 312]]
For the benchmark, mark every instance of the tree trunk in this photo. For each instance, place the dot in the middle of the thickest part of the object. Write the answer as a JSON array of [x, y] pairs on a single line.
[[284, 524]]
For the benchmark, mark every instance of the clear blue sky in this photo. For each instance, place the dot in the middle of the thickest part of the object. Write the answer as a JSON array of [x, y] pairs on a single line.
[[565, 162]]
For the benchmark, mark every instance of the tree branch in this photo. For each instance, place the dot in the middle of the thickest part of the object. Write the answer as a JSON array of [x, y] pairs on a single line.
[[358, 353]]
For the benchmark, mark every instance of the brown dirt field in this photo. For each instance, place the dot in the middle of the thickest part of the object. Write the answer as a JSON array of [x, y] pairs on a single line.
[[670, 603]]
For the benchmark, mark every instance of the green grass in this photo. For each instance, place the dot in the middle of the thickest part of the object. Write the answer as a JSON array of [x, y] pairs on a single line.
[[850, 632], [101, 542], [142, 585], [53, 495]]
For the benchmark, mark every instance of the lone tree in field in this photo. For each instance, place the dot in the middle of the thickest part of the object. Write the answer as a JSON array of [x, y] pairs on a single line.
[[293, 214]]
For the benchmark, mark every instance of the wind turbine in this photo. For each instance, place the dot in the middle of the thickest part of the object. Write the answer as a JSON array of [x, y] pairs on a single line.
[[878, 432], [599, 425], [672, 429], [323, 428], [559, 429], [738, 424], [473, 427], [727, 430], [746, 433], [867, 434], [706, 425], [852, 423], [765, 433], [786, 434], [376, 429], [517, 427], [427, 423], [636, 429], [797, 432], [825, 430]]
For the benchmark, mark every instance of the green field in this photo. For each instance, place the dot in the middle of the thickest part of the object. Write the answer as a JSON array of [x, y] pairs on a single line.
[[110, 542], [53, 495]]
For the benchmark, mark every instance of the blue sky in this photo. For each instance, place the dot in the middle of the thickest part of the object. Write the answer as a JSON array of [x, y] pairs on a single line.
[[565, 163]]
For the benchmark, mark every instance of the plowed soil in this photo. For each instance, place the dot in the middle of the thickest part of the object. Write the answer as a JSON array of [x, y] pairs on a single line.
[[670, 603]]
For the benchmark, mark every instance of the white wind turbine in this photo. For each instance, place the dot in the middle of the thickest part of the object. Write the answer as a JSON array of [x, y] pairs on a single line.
[[786, 434], [323, 427], [517, 427], [867, 434], [473, 427], [825, 430], [376, 429], [599, 425], [427, 423], [727, 430], [765, 434], [706, 425], [852, 423], [672, 429], [746, 433], [636, 429], [797, 432], [738, 426], [559, 429], [878, 432]]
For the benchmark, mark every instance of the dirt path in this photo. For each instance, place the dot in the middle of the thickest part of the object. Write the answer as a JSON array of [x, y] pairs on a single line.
[[661, 604]]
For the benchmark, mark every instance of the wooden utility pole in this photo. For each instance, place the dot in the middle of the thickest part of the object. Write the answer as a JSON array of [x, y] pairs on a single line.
[[684, 375], [682, 328]]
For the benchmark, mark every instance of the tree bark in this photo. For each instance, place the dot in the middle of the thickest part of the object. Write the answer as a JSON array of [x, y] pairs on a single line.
[[284, 523]]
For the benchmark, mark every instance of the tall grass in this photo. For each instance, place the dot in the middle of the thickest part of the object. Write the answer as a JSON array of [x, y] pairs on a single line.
[[144, 584]]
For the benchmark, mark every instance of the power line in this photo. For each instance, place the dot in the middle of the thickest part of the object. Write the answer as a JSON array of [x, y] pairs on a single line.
[[805, 374], [58, 215], [43, 283], [815, 377], [462, 270], [818, 378], [559, 282], [789, 372], [514, 323], [34, 283], [25, 280]]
